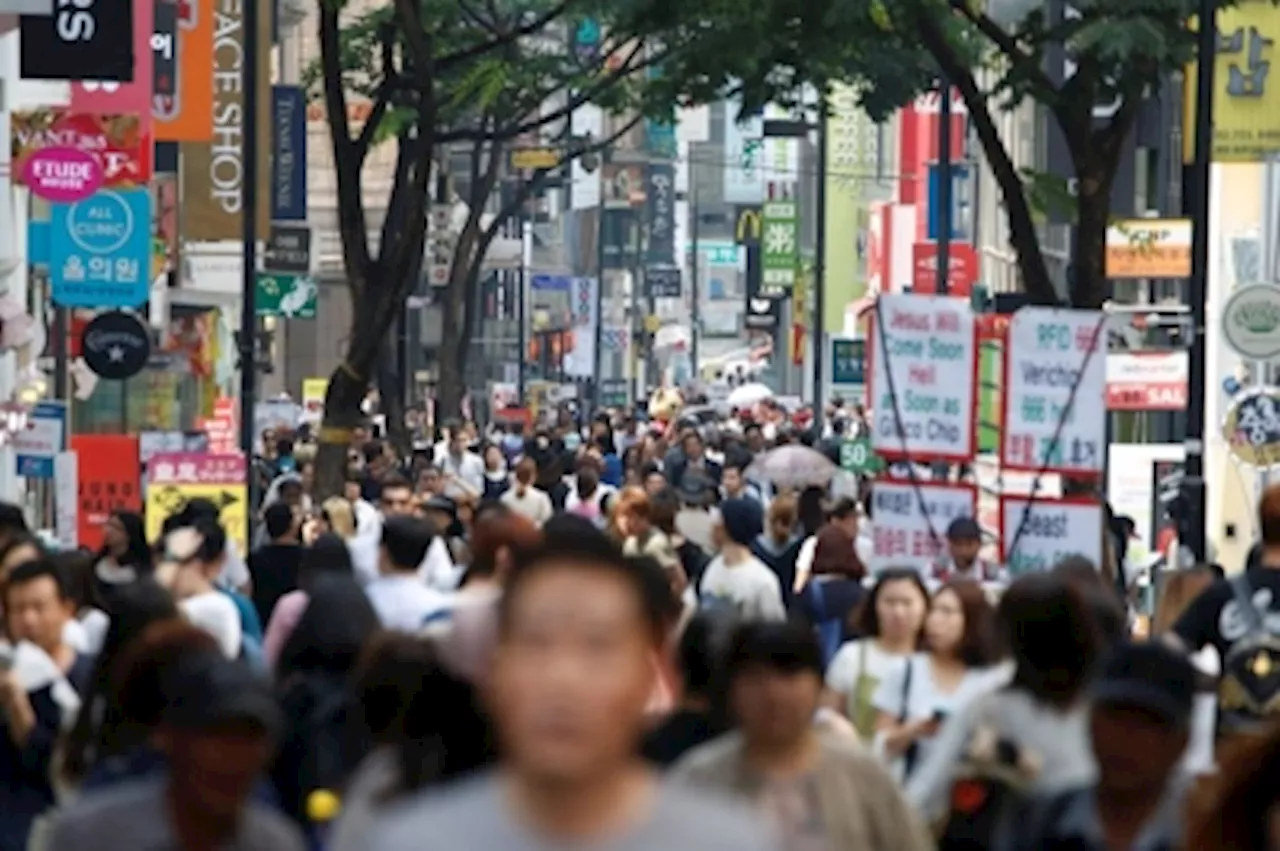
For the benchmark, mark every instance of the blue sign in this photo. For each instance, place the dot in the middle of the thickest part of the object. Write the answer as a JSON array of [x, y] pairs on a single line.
[[38, 242], [100, 250], [960, 204], [288, 154], [39, 443], [551, 283]]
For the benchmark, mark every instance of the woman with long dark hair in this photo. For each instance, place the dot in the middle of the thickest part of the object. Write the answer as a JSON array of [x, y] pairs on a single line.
[[125, 556], [328, 555]]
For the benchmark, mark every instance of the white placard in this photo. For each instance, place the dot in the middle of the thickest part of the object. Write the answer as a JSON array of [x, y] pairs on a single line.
[[927, 345], [903, 532], [1049, 351], [66, 499], [1052, 532]]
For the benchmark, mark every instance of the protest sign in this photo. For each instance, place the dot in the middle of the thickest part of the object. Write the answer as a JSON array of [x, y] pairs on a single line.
[[907, 533], [1037, 534]]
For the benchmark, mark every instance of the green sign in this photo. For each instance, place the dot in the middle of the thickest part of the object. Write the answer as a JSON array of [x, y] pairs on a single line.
[[286, 296], [613, 393], [779, 247], [848, 361], [856, 457]]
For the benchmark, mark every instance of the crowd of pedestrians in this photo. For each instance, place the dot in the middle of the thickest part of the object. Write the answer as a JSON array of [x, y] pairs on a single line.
[[611, 640]]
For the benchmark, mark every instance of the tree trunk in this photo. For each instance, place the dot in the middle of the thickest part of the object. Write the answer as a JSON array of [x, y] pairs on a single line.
[[391, 391], [341, 414], [1093, 212]]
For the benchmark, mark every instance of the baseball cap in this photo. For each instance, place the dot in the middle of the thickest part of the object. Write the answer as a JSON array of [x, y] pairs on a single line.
[[964, 529], [1148, 676], [207, 690]]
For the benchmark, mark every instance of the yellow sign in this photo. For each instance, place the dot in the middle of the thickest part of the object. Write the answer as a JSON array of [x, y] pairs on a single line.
[[747, 229], [164, 500], [1246, 99], [532, 158], [1149, 248], [313, 393]]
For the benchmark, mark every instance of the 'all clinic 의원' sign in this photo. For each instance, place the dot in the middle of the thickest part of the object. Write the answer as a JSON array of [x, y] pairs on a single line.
[[1037, 535], [1054, 391], [922, 378]]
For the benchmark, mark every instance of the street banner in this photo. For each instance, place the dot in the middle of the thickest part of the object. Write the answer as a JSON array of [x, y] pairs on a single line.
[[289, 154], [922, 378], [660, 207], [779, 247], [182, 105], [109, 473], [1038, 534], [1055, 379], [80, 41], [911, 526]]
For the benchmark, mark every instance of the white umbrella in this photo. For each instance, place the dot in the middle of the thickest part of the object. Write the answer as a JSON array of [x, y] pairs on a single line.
[[793, 466], [749, 395]]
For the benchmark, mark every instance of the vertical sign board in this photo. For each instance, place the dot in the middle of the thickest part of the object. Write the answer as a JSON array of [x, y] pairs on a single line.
[[80, 41], [911, 527], [923, 375], [1037, 535], [1055, 384], [779, 247], [660, 197], [109, 480], [100, 250], [743, 150], [164, 50], [38, 446], [66, 499], [213, 171], [289, 154], [182, 107]]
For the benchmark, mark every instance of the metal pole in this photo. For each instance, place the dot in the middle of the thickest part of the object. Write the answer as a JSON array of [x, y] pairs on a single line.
[[249, 234], [1193, 484], [819, 267], [943, 212], [522, 278], [597, 395], [695, 282], [637, 322]]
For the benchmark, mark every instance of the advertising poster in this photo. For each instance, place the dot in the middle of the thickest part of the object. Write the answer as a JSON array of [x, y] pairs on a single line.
[[175, 479], [109, 480]]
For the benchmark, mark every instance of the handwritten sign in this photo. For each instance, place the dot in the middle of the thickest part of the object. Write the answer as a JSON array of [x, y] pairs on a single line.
[[923, 367], [904, 529], [1050, 532], [1047, 426]]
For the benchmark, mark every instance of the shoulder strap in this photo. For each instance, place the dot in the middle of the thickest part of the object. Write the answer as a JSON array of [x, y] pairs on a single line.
[[906, 691], [1242, 592]]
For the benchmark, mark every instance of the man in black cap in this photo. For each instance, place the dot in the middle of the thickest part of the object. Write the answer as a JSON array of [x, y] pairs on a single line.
[[217, 734], [964, 541], [1139, 725]]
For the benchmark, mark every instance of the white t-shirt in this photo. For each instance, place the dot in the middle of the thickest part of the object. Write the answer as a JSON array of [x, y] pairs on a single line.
[[217, 615], [469, 469], [86, 632], [235, 572], [535, 504], [404, 603], [846, 666], [750, 588], [923, 699]]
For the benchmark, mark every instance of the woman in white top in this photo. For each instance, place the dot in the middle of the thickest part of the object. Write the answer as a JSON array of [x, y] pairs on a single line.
[[524, 498], [890, 622], [916, 697]]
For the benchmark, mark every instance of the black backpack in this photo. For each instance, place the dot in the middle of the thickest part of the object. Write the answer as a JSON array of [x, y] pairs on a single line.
[[322, 743], [1249, 690]]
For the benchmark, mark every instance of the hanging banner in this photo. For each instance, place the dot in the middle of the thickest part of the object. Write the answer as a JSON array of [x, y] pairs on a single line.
[[289, 158], [743, 151], [962, 268], [1038, 534], [80, 41], [911, 526], [923, 371], [115, 142], [107, 97], [213, 172], [109, 480], [175, 480], [660, 208], [183, 104], [1050, 423]]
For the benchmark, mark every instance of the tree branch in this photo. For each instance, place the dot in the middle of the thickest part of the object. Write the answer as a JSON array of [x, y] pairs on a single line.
[[530, 27], [1008, 45], [1026, 242], [348, 160], [381, 98]]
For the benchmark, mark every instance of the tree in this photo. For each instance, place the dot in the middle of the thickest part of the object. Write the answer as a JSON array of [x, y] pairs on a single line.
[[441, 72], [897, 49]]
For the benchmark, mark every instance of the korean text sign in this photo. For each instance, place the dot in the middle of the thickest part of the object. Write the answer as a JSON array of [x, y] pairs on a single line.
[[100, 250], [924, 368], [780, 246], [909, 534], [175, 479], [108, 481], [1051, 423], [1038, 534]]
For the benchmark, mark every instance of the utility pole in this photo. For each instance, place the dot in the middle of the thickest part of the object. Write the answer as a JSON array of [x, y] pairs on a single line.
[[943, 212], [820, 269], [597, 395], [522, 298], [249, 235], [695, 282], [1193, 484]]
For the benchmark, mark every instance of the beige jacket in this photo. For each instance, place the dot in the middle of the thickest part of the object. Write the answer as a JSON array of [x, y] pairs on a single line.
[[861, 805]]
